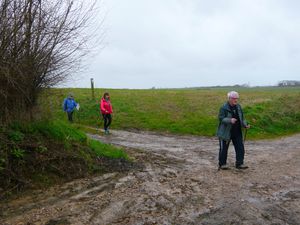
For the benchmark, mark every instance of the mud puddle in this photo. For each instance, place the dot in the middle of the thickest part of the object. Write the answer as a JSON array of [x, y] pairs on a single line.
[[179, 184]]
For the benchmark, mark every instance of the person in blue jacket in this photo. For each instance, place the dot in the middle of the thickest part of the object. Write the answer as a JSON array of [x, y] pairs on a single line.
[[69, 106]]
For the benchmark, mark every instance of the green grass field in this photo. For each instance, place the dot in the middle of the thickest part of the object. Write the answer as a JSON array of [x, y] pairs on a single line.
[[272, 112]]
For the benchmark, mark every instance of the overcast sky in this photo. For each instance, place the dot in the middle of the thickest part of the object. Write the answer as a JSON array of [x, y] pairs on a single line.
[[188, 43]]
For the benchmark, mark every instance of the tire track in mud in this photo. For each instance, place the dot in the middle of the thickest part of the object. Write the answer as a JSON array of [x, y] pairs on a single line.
[[179, 184]]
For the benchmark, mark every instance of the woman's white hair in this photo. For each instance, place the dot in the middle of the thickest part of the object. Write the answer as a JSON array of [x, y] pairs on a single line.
[[232, 94]]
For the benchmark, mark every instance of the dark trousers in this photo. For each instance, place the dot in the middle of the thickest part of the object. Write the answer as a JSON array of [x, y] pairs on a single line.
[[70, 116], [238, 147], [107, 120]]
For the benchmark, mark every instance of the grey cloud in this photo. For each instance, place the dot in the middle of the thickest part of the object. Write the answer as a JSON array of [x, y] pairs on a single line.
[[176, 43]]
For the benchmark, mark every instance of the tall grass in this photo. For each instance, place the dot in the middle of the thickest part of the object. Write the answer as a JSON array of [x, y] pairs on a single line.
[[272, 112], [66, 133]]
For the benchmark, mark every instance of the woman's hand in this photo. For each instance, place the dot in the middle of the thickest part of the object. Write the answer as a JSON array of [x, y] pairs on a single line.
[[233, 120]]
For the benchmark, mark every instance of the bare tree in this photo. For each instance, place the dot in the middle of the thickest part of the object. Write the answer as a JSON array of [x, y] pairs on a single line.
[[41, 43]]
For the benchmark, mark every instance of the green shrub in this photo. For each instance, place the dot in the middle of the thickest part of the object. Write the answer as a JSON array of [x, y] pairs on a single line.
[[16, 136], [18, 153], [42, 149]]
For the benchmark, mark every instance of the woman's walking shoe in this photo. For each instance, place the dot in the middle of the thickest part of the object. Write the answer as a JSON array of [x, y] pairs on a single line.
[[241, 167], [223, 167]]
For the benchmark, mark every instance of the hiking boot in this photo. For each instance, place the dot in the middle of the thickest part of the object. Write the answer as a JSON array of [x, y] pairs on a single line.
[[241, 167], [223, 167]]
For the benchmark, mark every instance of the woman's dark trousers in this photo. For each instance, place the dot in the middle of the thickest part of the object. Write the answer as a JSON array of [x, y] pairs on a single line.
[[107, 120], [70, 116], [238, 147]]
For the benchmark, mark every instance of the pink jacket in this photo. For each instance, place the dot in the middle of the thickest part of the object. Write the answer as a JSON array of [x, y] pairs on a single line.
[[105, 107]]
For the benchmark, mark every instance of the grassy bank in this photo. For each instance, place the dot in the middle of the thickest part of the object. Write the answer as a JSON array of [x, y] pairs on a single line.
[[272, 112], [43, 153]]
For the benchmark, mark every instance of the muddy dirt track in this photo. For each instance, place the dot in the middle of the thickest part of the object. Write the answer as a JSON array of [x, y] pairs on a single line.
[[178, 184]]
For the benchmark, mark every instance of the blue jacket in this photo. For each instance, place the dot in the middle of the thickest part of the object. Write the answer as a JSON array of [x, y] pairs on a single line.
[[69, 104], [225, 115]]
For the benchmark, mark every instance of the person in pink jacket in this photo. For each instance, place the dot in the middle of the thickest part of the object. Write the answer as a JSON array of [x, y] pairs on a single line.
[[106, 111]]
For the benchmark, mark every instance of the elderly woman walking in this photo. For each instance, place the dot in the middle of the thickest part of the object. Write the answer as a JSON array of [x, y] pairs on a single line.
[[231, 121]]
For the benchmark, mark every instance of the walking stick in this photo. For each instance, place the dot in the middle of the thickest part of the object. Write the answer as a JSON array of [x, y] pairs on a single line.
[[245, 135], [78, 113]]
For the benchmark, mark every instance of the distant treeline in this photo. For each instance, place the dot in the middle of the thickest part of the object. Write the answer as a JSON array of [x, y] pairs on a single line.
[[284, 83]]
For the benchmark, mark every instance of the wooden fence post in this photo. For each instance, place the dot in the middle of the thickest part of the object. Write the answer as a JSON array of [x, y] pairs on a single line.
[[92, 87]]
